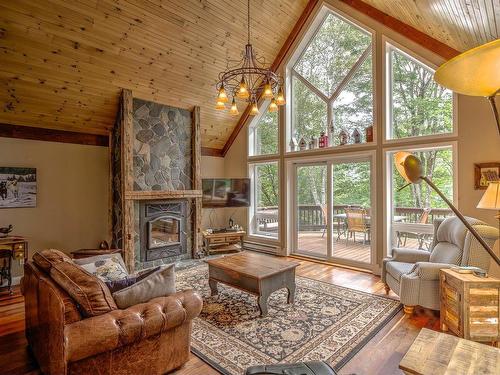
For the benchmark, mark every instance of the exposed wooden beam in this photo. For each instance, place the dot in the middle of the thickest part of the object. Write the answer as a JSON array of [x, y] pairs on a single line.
[[392, 23], [402, 28], [207, 151], [52, 135], [274, 66]]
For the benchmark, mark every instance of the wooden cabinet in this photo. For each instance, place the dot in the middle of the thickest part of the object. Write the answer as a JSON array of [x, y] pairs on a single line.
[[223, 242], [470, 306]]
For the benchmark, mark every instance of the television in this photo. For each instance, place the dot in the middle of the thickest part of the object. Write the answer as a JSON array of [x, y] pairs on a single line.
[[226, 192]]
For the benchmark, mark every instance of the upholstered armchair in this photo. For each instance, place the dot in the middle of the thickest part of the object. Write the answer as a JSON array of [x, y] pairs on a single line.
[[414, 274]]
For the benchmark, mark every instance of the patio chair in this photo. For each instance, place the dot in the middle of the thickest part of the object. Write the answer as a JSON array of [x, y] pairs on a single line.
[[357, 222], [421, 237]]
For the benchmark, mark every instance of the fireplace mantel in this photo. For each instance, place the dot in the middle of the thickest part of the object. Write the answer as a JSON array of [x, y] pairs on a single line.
[[156, 195]]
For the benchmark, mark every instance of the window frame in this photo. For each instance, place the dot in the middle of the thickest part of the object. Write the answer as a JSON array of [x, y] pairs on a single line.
[[291, 72], [388, 45], [388, 189], [253, 232]]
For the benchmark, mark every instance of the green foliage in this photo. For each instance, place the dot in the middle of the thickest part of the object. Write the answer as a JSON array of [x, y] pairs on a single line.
[[266, 134], [267, 184]]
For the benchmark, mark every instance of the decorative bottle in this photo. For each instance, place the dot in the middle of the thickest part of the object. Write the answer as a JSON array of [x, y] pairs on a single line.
[[323, 140]]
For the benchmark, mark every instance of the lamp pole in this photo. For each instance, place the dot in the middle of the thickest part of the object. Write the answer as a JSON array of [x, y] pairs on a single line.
[[463, 219]]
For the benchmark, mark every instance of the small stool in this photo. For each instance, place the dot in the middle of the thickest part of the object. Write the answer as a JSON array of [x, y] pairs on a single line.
[[303, 368]]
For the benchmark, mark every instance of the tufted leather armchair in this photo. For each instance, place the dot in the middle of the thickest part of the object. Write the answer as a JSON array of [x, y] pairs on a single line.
[[414, 274], [148, 338]]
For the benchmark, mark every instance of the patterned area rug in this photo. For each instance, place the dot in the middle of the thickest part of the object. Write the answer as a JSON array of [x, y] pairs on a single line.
[[327, 322]]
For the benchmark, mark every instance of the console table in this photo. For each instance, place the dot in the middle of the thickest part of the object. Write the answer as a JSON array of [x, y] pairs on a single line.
[[11, 247], [223, 242]]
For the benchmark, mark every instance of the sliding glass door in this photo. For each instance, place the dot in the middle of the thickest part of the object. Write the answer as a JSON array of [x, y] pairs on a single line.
[[333, 210]]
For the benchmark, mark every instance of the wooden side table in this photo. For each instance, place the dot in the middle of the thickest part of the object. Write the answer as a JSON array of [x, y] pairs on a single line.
[[436, 353], [470, 306], [11, 247], [85, 253], [224, 242]]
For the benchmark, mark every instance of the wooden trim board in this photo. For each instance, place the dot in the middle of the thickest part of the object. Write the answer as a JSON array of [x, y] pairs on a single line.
[[52, 135], [207, 151]]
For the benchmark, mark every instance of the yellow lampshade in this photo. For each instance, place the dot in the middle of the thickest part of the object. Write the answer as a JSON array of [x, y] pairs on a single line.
[[491, 197], [222, 97], [280, 98], [220, 106], [254, 110], [475, 72], [408, 166], [273, 107], [242, 91], [267, 93], [234, 108]]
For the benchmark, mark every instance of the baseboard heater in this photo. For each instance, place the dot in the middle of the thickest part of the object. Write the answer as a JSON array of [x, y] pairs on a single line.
[[259, 246]]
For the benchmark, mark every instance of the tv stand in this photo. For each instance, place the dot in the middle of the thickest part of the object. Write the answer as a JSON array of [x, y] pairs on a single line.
[[223, 241]]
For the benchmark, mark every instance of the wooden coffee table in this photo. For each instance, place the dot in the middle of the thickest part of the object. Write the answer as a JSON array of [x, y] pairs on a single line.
[[253, 273]]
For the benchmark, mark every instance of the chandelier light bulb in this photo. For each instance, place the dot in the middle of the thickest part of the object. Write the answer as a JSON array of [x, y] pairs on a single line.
[[220, 106], [273, 107], [222, 97], [267, 93], [243, 90], [280, 99], [234, 109], [254, 110]]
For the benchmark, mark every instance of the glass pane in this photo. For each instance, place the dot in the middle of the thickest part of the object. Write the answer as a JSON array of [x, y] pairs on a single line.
[[331, 53], [163, 232], [419, 105], [416, 206], [351, 211], [309, 112], [266, 199], [353, 109], [311, 207], [266, 134]]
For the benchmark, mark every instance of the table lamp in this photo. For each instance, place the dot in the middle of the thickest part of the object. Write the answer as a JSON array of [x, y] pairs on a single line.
[[491, 199], [475, 72], [410, 168]]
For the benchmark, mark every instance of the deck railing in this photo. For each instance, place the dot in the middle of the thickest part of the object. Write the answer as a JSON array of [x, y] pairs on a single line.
[[311, 216]]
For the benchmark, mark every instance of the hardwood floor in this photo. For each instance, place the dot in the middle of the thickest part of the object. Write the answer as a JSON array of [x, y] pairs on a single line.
[[380, 356]]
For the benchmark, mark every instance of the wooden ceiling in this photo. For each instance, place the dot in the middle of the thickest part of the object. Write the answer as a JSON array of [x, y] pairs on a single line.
[[63, 63]]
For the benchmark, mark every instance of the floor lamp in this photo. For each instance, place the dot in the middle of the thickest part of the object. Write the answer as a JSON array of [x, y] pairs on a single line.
[[475, 72], [410, 168]]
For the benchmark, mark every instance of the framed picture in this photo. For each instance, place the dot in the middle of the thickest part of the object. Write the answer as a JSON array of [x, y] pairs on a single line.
[[484, 173], [17, 187]]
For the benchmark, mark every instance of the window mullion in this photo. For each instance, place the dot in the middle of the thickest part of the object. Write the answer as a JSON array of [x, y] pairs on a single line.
[[310, 86]]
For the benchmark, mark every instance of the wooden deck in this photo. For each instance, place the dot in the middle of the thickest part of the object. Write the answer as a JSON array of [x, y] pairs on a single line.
[[314, 244]]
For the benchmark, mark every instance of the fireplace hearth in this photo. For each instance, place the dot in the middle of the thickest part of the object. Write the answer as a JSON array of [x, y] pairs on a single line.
[[162, 227]]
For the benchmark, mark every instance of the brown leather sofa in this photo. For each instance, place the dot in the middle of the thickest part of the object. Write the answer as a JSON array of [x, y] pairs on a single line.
[[148, 338]]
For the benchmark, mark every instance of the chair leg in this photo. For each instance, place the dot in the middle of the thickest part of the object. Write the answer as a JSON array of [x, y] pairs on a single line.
[[387, 288], [408, 310]]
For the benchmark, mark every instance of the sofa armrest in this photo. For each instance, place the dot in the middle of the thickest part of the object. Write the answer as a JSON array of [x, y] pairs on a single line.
[[410, 255], [430, 271], [118, 328]]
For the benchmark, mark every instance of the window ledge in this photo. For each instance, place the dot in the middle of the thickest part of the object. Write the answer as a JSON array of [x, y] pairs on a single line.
[[263, 238], [333, 149]]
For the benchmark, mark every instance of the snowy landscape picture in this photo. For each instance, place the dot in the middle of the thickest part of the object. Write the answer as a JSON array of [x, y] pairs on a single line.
[[17, 187]]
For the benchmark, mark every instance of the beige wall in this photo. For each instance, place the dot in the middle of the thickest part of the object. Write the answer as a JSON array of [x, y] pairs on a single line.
[[72, 199]]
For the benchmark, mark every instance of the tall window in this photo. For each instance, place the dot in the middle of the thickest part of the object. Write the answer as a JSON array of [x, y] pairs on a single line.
[[263, 134], [332, 82], [264, 213], [418, 106]]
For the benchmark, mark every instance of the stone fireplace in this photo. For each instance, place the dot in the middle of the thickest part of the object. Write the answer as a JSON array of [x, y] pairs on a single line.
[[156, 183]]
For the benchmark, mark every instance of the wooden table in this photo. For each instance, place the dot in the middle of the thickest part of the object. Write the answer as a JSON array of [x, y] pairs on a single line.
[[86, 253], [11, 247], [435, 353], [254, 273], [223, 242]]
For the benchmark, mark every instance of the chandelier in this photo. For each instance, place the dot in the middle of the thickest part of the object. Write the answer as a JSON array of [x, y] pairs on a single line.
[[247, 80]]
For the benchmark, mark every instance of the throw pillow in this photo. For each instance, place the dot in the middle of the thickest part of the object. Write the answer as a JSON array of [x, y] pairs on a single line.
[[106, 267], [89, 292], [157, 284], [116, 285], [46, 258]]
